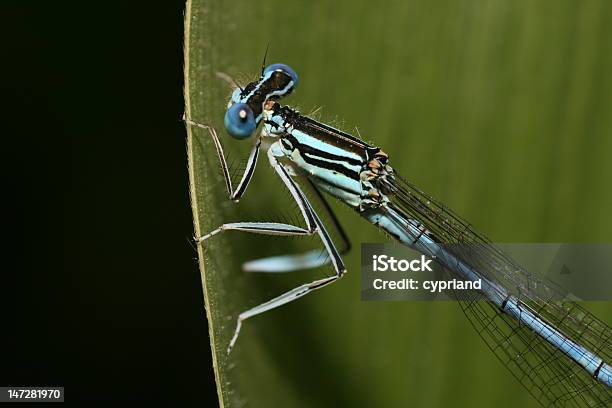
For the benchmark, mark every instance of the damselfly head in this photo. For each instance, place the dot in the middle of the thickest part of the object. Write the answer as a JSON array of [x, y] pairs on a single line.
[[246, 106], [239, 121]]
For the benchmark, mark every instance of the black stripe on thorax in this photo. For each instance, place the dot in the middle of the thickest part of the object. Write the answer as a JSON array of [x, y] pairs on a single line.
[[305, 148], [311, 154], [322, 132], [330, 166]]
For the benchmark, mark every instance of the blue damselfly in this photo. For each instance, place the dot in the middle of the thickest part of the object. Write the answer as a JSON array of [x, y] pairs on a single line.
[[559, 351]]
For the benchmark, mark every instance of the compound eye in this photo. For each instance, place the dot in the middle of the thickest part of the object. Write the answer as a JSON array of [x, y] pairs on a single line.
[[283, 68], [239, 121]]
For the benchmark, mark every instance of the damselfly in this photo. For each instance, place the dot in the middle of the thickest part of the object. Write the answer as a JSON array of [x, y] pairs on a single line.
[[559, 351]]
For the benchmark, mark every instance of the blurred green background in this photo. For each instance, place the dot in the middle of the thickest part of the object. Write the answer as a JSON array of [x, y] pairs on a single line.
[[499, 109]]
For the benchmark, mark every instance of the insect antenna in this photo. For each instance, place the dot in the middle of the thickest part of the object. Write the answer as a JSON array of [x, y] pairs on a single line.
[[263, 63]]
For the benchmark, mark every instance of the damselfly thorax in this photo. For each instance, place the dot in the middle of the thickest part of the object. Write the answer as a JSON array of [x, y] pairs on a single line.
[[341, 165]]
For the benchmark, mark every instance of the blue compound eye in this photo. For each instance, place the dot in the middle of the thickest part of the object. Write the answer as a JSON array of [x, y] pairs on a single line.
[[284, 68], [239, 121]]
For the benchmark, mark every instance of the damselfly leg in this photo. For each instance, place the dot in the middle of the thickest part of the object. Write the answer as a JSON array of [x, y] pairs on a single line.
[[307, 260], [291, 262], [234, 195], [314, 225]]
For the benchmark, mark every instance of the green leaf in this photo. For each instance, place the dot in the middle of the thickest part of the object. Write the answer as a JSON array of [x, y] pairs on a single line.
[[499, 109]]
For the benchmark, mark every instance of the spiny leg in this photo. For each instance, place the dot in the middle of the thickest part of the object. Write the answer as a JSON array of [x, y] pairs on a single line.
[[304, 289], [287, 263], [311, 259], [265, 228], [234, 195], [271, 228], [335, 222], [285, 298], [310, 215]]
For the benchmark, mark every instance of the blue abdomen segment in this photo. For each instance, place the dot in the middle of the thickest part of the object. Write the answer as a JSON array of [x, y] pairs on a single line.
[[411, 233]]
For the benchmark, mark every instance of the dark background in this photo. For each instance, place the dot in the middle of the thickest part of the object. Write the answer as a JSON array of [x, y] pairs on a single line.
[[101, 289]]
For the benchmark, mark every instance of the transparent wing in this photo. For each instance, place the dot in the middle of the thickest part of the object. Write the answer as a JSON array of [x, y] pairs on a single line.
[[550, 376]]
